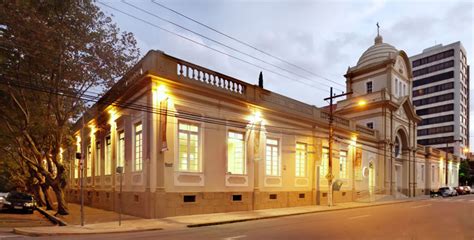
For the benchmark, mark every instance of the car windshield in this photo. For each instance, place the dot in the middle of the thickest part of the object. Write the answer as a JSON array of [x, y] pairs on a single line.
[[19, 195]]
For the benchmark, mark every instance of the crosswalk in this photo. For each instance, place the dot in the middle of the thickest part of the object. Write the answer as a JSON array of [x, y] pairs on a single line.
[[451, 200]]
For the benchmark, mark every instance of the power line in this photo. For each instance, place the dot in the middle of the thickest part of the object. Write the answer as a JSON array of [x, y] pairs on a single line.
[[211, 48], [220, 43], [244, 43]]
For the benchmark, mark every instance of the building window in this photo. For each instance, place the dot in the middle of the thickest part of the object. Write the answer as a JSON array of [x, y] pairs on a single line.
[[76, 168], [368, 86], [97, 159], [397, 147], [89, 161], [370, 125], [138, 164], [235, 153], [108, 156], [323, 169], [121, 149], [343, 164], [396, 87], [300, 161], [272, 160], [422, 173], [432, 173], [188, 148]]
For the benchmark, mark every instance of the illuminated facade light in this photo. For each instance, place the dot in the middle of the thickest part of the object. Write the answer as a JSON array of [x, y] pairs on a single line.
[[160, 93], [256, 117], [362, 103], [354, 140]]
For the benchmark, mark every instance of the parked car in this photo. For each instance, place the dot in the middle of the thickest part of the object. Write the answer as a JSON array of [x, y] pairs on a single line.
[[3, 196], [19, 201], [467, 189], [447, 192], [460, 190]]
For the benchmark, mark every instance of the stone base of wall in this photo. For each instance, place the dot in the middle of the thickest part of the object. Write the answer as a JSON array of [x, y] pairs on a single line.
[[158, 205]]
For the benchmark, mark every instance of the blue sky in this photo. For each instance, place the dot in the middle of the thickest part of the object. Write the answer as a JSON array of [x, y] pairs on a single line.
[[324, 37]]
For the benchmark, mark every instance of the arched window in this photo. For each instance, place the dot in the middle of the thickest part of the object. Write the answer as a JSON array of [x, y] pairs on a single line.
[[398, 147]]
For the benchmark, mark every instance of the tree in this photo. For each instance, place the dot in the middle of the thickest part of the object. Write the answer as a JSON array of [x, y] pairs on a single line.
[[464, 173], [52, 54]]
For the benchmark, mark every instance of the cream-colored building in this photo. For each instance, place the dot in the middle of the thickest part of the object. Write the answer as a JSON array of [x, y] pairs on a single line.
[[195, 141]]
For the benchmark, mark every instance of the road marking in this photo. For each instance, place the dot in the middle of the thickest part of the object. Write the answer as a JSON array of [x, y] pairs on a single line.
[[235, 237], [362, 216], [471, 200], [419, 206]]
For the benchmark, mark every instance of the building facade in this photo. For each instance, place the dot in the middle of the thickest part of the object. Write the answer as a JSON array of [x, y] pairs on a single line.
[[441, 97], [194, 141]]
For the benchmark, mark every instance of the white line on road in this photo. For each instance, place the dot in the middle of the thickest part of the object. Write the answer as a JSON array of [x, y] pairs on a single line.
[[419, 206], [235, 237], [362, 216]]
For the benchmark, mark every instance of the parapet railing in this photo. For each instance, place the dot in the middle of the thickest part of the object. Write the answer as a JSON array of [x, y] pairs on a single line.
[[210, 78]]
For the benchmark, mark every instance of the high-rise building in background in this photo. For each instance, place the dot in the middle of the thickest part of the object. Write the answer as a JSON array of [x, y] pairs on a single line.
[[441, 97]]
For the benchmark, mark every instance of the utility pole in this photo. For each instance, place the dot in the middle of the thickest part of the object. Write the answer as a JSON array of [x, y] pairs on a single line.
[[329, 175], [82, 170]]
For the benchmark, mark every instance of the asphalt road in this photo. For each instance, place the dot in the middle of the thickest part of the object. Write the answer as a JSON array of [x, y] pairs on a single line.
[[449, 218], [10, 220]]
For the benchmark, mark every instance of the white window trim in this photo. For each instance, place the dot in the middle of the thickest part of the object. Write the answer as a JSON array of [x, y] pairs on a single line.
[[371, 87], [306, 158], [117, 148], [134, 124], [201, 127], [98, 157], [279, 138], [245, 134], [106, 155]]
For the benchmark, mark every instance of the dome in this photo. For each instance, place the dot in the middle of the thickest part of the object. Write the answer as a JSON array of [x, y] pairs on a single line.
[[379, 52]]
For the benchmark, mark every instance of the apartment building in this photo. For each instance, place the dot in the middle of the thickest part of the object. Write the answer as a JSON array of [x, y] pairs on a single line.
[[441, 97]]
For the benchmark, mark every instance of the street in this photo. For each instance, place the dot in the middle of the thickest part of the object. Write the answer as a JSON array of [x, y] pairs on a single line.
[[10, 220], [438, 218]]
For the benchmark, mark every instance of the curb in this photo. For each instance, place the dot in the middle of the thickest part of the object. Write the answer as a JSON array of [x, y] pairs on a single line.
[[36, 234], [51, 217], [293, 214]]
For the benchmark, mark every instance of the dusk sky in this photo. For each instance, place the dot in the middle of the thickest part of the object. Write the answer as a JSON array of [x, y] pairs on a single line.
[[322, 37]]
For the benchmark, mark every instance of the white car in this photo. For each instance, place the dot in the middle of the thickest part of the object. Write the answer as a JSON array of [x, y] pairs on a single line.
[[3, 196]]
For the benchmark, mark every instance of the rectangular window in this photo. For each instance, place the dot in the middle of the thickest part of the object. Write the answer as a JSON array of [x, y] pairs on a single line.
[[432, 173], [369, 86], [300, 161], [343, 164], [108, 156], [121, 149], [76, 168], [370, 125], [323, 170], [235, 153], [272, 159], [97, 159], [188, 147], [422, 172], [89, 161], [138, 164]]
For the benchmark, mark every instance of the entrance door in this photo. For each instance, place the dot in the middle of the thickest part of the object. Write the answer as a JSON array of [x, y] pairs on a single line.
[[398, 178], [371, 178]]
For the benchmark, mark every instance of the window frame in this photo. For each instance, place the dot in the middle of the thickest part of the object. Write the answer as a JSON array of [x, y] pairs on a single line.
[[367, 89], [89, 160], [98, 157], [199, 147], [278, 160], [135, 164], [304, 163], [324, 165], [343, 169], [244, 151], [108, 156], [119, 148]]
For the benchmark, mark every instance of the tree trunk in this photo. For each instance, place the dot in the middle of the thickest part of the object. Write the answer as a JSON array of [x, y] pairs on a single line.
[[38, 197], [62, 204], [47, 198]]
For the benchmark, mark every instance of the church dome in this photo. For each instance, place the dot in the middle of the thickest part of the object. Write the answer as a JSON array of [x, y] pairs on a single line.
[[379, 52]]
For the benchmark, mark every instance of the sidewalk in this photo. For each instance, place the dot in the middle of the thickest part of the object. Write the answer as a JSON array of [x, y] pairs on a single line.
[[133, 224]]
